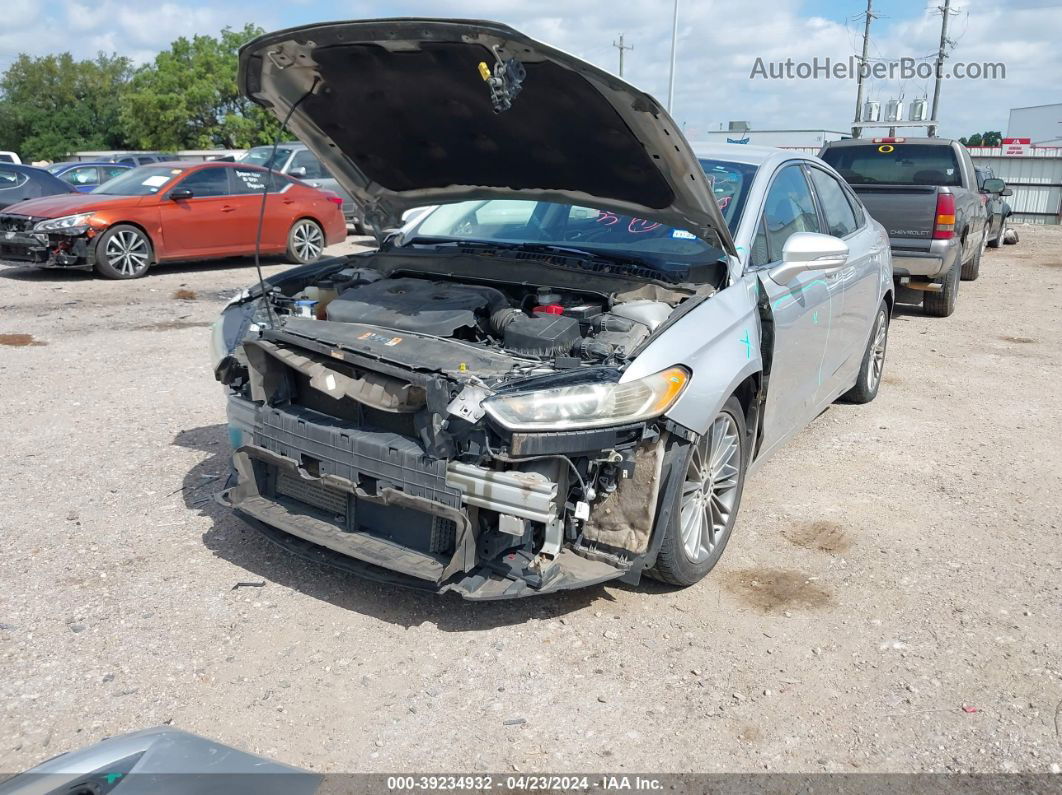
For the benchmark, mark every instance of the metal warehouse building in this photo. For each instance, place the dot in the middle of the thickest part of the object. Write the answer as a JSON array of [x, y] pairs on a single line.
[[1042, 124]]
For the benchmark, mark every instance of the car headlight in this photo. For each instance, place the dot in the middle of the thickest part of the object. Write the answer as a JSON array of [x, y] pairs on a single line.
[[68, 223], [589, 405]]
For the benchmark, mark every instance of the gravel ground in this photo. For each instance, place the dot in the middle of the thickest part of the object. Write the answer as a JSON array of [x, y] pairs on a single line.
[[891, 599]]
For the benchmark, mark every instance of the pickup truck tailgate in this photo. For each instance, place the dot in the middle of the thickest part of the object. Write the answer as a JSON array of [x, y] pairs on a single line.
[[907, 212]]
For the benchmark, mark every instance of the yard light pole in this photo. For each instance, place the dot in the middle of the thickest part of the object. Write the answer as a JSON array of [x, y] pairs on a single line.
[[674, 42]]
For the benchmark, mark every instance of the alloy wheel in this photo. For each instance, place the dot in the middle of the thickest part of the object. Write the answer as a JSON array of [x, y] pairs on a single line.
[[127, 252], [710, 490], [307, 241], [877, 352]]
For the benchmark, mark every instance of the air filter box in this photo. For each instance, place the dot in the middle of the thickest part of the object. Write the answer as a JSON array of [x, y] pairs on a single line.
[[542, 335]]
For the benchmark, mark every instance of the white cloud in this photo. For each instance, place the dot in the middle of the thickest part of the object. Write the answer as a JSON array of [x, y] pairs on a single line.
[[719, 41]]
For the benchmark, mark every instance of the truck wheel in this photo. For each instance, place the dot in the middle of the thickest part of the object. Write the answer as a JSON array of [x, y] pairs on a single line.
[[972, 269], [123, 252], [942, 304], [866, 387], [703, 493]]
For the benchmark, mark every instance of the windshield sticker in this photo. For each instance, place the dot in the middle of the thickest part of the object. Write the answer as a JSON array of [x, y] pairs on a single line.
[[252, 179], [682, 234], [156, 180]]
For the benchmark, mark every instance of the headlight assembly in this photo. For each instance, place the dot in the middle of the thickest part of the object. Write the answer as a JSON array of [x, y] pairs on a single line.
[[73, 224], [589, 405]]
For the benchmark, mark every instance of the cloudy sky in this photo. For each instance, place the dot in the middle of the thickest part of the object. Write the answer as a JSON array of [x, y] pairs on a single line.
[[719, 42]]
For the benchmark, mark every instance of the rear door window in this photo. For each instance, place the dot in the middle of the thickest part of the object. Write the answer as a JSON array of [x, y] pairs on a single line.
[[895, 164], [252, 180], [840, 219], [11, 179]]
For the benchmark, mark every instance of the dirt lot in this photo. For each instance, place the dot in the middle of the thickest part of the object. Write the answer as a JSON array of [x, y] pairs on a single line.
[[891, 599]]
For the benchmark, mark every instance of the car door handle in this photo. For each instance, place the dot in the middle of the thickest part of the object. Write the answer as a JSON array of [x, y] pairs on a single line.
[[227, 208]]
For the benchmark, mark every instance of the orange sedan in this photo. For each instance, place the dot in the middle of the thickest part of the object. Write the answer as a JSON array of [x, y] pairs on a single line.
[[166, 212]]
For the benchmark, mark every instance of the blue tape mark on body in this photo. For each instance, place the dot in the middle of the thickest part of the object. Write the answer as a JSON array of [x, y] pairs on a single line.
[[747, 343]]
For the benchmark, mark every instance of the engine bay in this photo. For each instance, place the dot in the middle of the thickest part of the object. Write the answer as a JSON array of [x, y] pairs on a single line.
[[560, 327], [366, 384]]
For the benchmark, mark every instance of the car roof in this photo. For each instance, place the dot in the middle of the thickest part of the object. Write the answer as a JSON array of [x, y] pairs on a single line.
[[79, 163], [25, 168]]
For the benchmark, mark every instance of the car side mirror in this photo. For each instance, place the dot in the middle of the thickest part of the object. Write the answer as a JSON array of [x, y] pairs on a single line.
[[180, 193], [994, 185], [1006, 192], [298, 173], [809, 251]]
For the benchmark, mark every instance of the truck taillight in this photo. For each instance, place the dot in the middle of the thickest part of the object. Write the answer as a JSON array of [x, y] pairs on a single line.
[[889, 140], [944, 225]]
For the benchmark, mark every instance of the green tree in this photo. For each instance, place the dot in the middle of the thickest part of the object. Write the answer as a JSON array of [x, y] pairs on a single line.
[[187, 98], [988, 138], [53, 105], [992, 138]]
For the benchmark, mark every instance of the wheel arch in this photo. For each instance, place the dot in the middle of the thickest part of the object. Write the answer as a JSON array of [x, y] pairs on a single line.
[[136, 225]]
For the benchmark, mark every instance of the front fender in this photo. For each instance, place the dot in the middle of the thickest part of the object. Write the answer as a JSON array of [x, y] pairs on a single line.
[[719, 342]]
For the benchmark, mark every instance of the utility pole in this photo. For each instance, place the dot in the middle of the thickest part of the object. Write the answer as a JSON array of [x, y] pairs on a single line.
[[674, 42], [859, 77], [945, 11], [621, 47]]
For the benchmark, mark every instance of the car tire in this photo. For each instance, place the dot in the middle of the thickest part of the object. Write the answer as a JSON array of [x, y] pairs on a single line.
[[870, 371], [123, 252], [695, 493], [942, 304], [306, 241], [972, 269]]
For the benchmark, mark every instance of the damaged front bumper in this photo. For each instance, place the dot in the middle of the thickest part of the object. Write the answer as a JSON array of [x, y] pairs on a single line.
[[46, 250], [376, 504]]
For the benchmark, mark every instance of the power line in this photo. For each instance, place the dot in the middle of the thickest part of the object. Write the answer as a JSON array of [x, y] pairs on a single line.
[[621, 47], [862, 67], [945, 12]]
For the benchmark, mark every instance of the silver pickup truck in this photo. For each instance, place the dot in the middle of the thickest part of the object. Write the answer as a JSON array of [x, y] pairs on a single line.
[[924, 192]]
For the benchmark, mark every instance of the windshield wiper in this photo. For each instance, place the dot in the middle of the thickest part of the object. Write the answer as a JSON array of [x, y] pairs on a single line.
[[581, 259], [570, 252]]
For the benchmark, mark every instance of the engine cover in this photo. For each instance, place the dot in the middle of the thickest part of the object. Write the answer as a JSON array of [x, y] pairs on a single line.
[[419, 305]]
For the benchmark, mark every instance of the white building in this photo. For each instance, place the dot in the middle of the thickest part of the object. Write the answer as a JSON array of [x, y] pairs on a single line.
[[786, 139], [1041, 123]]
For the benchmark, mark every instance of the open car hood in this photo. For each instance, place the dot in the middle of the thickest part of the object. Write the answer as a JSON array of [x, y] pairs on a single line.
[[402, 113]]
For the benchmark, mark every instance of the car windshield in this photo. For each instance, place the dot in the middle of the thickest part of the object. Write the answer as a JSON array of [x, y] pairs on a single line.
[[261, 156], [524, 222], [55, 168], [895, 164], [730, 185], [142, 181]]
